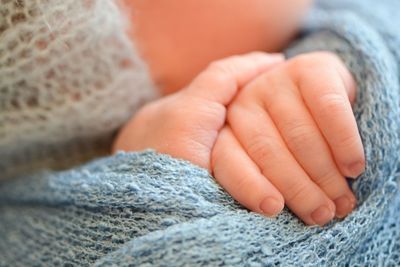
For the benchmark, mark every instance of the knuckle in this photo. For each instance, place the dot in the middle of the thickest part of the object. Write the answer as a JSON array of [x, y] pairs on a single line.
[[299, 136], [348, 141], [214, 109], [219, 73], [315, 61], [225, 65], [327, 57], [331, 104], [211, 112], [321, 57], [242, 184], [297, 192], [327, 179], [264, 148], [303, 61], [231, 65]]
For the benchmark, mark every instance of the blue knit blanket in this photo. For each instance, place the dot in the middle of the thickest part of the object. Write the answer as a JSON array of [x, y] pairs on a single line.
[[148, 209]]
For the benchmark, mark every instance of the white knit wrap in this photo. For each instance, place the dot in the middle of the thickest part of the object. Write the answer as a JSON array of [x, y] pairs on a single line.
[[69, 78]]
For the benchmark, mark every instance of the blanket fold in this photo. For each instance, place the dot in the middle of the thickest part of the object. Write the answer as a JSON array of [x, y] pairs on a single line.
[[148, 209]]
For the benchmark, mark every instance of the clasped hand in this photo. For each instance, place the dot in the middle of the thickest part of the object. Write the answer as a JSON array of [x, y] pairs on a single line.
[[272, 132]]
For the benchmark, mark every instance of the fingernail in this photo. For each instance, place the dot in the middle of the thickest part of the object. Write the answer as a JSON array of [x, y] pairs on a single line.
[[322, 215], [270, 206], [355, 169], [344, 205]]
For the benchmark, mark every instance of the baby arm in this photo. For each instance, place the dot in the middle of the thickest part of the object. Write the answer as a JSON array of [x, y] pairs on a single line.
[[292, 138]]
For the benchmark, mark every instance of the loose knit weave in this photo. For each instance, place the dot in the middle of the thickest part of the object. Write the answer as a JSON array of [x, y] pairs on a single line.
[[69, 77], [148, 209]]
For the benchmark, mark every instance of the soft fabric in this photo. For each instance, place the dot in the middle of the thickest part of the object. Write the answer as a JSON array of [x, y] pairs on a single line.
[[148, 209], [69, 78]]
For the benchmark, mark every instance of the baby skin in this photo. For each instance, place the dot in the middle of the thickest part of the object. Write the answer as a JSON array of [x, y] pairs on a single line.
[[271, 131]]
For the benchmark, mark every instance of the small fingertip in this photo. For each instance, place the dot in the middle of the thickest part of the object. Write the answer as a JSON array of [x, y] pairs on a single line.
[[355, 169], [322, 215], [271, 207], [344, 205]]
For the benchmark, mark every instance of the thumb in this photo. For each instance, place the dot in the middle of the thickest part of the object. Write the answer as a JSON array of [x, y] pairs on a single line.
[[222, 79]]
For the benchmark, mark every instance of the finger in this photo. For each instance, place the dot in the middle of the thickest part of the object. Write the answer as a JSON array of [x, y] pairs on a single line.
[[241, 178], [349, 84], [223, 78], [267, 149], [303, 138], [325, 96]]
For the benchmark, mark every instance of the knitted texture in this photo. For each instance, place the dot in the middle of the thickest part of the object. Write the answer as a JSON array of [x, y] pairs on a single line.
[[148, 209], [69, 77]]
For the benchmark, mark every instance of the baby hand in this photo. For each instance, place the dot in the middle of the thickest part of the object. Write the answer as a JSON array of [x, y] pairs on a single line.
[[186, 124], [292, 138]]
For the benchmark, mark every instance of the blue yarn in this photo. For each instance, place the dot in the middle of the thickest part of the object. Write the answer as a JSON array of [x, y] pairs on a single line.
[[148, 209]]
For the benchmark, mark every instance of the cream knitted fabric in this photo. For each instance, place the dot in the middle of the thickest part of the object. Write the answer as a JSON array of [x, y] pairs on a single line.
[[69, 78]]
